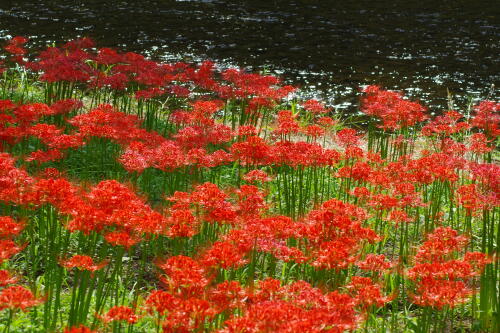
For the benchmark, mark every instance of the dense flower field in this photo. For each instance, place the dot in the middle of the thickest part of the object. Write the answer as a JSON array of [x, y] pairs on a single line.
[[138, 196]]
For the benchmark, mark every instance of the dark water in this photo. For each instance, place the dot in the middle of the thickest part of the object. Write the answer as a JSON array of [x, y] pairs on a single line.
[[330, 48]]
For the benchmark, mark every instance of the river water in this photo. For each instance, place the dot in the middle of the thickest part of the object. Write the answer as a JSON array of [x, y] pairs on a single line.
[[328, 48]]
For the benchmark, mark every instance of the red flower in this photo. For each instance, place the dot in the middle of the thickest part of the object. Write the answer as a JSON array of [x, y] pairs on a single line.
[[121, 238], [183, 274], [161, 302], [18, 297], [82, 262], [287, 124], [394, 111], [347, 137], [7, 249], [79, 329], [257, 175], [228, 295], [315, 106], [6, 278], [374, 262], [124, 313], [9, 227], [487, 118], [367, 293]]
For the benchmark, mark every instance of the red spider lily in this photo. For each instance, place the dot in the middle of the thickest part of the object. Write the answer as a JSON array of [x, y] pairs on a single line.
[[117, 205], [394, 111], [253, 151], [336, 255], [79, 329], [161, 302], [258, 103], [251, 201], [477, 260], [383, 202], [399, 216], [16, 46], [168, 156], [213, 201], [42, 156], [254, 84], [79, 43], [335, 234], [487, 118], [439, 244], [182, 223], [347, 137], [257, 176], [314, 131], [205, 109], [358, 171], [469, 198], [360, 192], [487, 174], [183, 274], [445, 125], [6, 278], [199, 136], [441, 282], [224, 255], [436, 166], [119, 313], [480, 144], [107, 56], [247, 130], [18, 297], [121, 238], [326, 122], [280, 316], [280, 250], [287, 124], [10, 228], [68, 65], [366, 293], [228, 295], [137, 157], [315, 107], [8, 248], [440, 293], [149, 93], [118, 81], [15, 183], [190, 315], [106, 122], [28, 113], [59, 192], [451, 147], [82, 262], [302, 153], [374, 263], [6, 105], [277, 227]]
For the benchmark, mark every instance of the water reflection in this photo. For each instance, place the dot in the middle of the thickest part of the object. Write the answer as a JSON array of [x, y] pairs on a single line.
[[331, 48]]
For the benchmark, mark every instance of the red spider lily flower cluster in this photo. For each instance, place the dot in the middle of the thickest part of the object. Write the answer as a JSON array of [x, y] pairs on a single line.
[[82, 262], [18, 298], [222, 185], [119, 312], [6, 278], [487, 118], [440, 280], [394, 111], [79, 329]]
